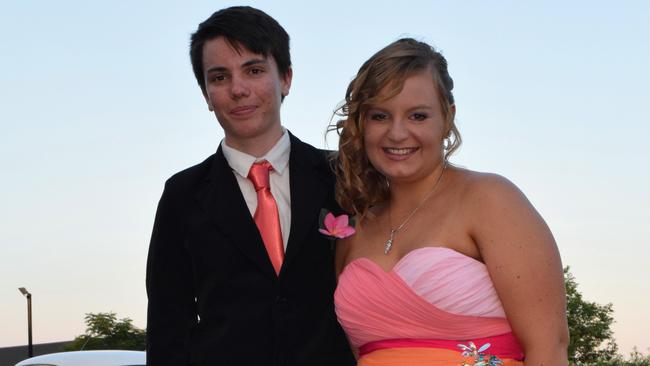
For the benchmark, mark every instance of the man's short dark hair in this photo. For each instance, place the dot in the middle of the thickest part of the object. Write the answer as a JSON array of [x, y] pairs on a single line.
[[242, 26]]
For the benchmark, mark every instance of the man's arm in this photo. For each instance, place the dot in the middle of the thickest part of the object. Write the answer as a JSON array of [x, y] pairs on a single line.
[[171, 312]]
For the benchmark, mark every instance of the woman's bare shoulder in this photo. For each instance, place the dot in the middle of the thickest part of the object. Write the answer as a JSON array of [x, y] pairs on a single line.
[[480, 187], [350, 246]]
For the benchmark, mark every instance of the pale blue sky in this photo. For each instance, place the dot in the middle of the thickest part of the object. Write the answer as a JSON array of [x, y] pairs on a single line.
[[98, 106]]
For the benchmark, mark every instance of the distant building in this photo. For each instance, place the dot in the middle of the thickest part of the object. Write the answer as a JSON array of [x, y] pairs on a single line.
[[9, 356]]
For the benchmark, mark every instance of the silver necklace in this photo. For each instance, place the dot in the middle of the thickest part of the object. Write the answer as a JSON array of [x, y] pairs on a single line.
[[391, 237]]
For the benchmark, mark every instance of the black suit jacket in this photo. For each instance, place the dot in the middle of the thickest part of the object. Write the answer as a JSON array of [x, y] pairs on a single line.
[[214, 298]]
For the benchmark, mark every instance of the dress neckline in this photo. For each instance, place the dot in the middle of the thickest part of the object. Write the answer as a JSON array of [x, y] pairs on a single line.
[[406, 256]]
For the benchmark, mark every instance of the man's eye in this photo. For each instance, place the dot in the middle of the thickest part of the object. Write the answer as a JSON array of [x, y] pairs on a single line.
[[256, 71], [218, 77]]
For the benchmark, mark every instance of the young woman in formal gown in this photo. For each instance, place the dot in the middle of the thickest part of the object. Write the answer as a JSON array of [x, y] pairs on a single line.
[[448, 266]]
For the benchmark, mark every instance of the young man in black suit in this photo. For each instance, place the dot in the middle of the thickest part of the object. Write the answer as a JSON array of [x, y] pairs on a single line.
[[237, 272]]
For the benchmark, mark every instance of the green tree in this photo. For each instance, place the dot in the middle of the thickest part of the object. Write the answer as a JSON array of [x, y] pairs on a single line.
[[105, 331], [635, 358], [590, 330]]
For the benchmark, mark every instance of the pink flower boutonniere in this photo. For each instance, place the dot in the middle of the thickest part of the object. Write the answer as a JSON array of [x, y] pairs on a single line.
[[336, 226]]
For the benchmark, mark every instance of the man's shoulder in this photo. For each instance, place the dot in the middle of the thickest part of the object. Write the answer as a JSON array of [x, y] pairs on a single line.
[[191, 177], [311, 153]]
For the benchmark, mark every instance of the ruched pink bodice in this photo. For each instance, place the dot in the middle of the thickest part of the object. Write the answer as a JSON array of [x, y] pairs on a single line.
[[431, 293]]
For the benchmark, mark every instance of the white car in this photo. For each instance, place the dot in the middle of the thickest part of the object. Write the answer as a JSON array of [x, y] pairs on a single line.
[[88, 358]]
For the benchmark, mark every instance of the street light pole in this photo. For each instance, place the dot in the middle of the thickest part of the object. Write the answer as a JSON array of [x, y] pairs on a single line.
[[30, 347]]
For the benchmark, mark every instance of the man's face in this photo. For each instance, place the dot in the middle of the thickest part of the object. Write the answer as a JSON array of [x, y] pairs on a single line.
[[244, 90]]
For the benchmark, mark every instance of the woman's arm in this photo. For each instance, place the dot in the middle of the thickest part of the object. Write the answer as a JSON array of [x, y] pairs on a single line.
[[524, 264]]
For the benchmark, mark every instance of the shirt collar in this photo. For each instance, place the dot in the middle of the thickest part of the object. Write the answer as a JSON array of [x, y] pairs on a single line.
[[278, 156]]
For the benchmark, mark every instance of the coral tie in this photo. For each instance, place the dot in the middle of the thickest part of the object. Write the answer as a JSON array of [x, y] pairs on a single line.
[[266, 215]]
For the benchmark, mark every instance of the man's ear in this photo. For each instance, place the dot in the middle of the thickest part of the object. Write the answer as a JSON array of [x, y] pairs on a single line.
[[207, 100], [286, 82]]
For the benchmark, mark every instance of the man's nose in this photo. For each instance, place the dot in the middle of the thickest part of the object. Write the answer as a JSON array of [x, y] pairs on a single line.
[[239, 88]]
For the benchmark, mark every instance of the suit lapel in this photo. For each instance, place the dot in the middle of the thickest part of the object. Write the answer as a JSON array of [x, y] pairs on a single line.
[[222, 200], [309, 188]]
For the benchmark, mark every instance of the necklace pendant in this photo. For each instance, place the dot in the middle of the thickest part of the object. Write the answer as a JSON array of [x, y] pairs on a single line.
[[389, 242], [389, 245]]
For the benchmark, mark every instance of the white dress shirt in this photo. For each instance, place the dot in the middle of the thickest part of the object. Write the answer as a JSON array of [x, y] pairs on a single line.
[[278, 157]]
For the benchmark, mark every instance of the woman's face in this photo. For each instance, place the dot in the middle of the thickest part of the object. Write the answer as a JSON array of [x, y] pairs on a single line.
[[403, 135]]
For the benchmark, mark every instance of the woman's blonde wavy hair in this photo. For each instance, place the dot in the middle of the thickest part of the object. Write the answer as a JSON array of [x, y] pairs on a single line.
[[359, 186]]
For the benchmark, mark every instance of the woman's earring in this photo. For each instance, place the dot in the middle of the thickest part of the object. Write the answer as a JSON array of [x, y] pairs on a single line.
[[446, 144]]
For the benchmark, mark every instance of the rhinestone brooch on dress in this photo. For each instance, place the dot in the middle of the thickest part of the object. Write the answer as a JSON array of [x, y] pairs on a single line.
[[480, 358]]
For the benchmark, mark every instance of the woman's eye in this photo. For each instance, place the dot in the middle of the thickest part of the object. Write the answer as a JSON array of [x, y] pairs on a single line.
[[378, 116], [419, 116]]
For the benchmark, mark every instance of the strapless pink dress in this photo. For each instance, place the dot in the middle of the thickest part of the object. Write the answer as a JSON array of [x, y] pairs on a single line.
[[434, 307]]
